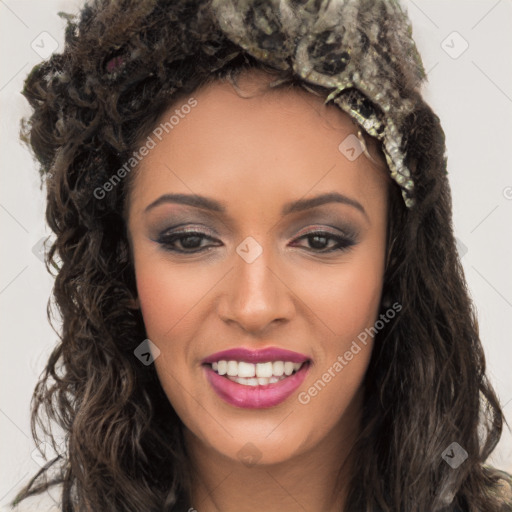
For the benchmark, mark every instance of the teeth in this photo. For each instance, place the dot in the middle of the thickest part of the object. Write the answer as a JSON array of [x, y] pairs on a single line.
[[256, 381], [263, 369], [222, 367], [288, 368], [278, 368], [254, 372], [232, 369], [247, 370]]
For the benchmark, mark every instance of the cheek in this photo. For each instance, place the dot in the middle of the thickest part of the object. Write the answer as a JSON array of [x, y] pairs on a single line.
[[160, 306], [347, 306], [344, 298], [168, 296], [358, 298]]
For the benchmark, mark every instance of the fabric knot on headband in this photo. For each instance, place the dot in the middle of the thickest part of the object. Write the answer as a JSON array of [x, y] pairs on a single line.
[[363, 51]]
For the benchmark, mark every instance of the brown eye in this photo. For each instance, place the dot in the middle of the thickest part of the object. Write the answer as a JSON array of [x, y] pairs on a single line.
[[319, 242], [185, 242]]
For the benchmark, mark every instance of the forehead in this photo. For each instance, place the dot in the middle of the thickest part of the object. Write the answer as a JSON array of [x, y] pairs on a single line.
[[253, 140]]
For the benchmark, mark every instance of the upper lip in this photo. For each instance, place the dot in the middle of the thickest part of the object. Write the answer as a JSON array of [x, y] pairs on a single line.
[[256, 356]]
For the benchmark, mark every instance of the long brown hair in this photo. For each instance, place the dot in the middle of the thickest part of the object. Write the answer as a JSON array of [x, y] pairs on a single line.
[[124, 450]]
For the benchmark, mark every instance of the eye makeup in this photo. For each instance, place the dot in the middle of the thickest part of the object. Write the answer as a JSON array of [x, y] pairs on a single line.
[[321, 230]]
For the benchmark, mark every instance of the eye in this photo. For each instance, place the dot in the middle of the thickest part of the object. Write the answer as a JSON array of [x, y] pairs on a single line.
[[190, 242], [319, 242]]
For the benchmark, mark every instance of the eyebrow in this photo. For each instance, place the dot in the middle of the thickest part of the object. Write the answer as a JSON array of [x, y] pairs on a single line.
[[291, 207]]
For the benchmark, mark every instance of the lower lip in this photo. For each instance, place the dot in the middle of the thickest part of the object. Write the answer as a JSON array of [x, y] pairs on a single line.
[[255, 397]]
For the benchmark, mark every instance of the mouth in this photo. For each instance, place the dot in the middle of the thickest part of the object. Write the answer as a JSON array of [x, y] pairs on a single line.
[[255, 374], [255, 385]]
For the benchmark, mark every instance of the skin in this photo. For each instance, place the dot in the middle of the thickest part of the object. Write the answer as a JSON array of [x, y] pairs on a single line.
[[254, 155]]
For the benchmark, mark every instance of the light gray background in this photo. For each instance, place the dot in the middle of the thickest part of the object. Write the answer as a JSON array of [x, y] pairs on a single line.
[[470, 90]]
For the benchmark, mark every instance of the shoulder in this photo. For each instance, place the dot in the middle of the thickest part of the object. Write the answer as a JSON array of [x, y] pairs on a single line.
[[504, 487]]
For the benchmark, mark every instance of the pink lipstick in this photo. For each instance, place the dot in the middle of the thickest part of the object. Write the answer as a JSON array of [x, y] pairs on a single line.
[[256, 378], [256, 356]]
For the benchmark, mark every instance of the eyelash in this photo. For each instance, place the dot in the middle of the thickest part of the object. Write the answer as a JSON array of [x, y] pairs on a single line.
[[167, 241]]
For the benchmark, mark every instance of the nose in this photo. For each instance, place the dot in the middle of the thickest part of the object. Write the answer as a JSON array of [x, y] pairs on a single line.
[[255, 296]]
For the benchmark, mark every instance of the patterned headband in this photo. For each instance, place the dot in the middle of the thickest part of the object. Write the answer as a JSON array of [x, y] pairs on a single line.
[[362, 49]]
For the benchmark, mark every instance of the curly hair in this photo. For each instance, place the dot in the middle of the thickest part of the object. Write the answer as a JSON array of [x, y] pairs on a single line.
[[124, 64]]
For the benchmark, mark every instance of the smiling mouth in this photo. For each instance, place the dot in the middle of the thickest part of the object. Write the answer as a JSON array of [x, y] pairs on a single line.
[[256, 374]]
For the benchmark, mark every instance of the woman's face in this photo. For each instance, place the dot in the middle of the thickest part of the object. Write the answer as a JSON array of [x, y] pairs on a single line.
[[254, 180]]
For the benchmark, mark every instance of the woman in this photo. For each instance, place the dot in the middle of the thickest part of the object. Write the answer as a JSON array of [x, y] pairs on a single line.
[[262, 303]]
